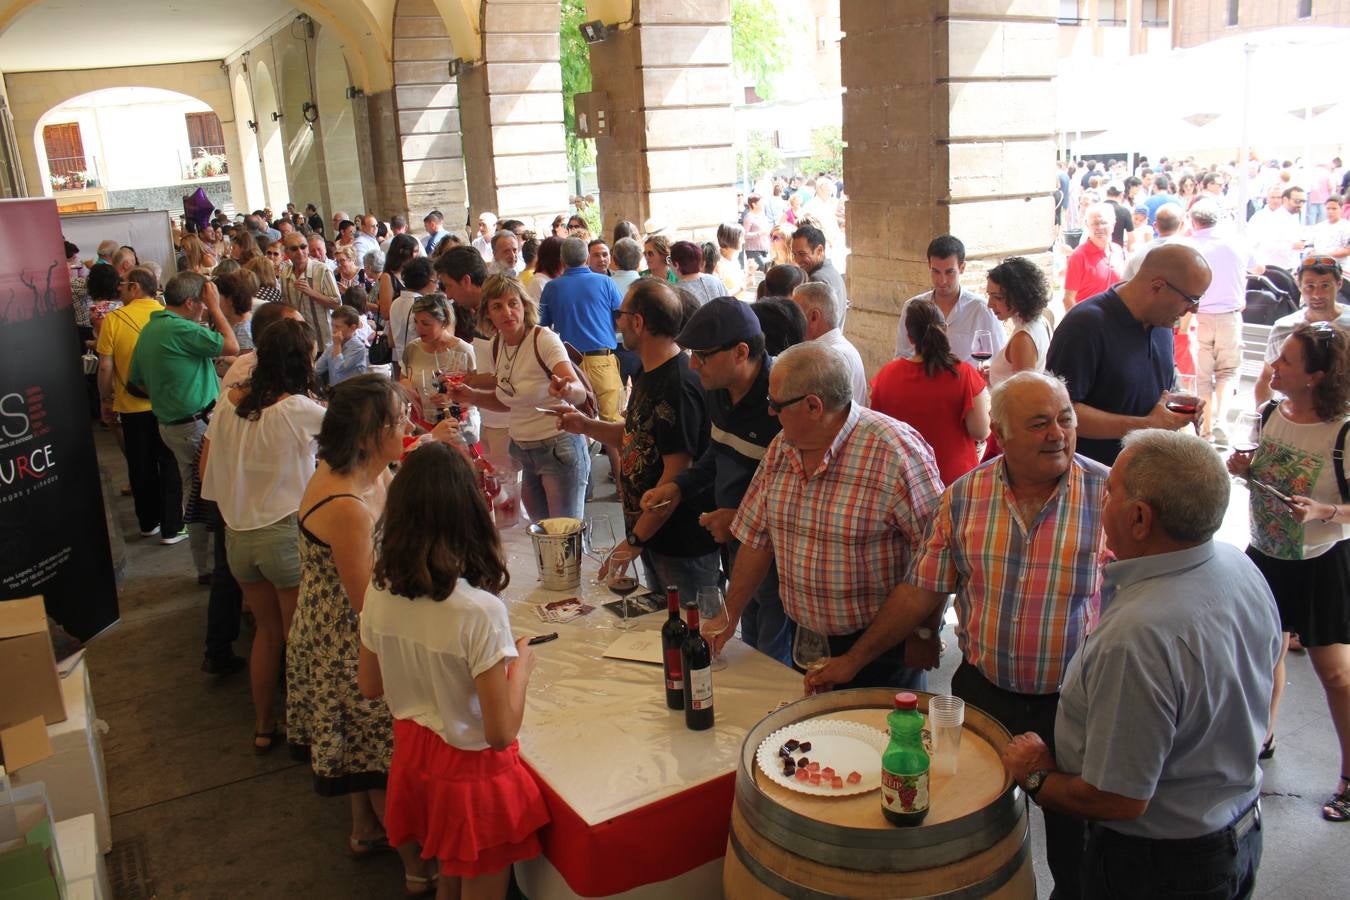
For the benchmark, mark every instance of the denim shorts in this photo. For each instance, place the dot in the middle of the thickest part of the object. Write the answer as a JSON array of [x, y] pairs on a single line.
[[270, 553]]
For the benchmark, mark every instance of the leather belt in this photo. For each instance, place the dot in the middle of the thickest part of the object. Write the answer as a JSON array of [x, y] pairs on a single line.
[[602, 352], [204, 414]]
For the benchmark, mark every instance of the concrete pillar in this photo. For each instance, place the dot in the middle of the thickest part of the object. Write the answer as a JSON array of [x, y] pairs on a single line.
[[511, 115], [669, 159], [379, 156], [949, 128], [428, 114]]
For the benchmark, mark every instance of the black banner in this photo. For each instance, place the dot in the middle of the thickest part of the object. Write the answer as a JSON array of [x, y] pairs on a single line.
[[53, 534]]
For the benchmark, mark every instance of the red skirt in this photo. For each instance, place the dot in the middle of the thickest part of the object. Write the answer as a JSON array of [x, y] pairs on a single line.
[[475, 811]]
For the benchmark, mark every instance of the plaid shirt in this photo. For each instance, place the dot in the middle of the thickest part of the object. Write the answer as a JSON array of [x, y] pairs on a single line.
[[843, 535], [1026, 596]]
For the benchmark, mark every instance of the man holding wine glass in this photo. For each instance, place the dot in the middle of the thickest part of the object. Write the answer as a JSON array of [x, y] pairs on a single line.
[[1115, 351], [965, 312], [840, 504], [1019, 541]]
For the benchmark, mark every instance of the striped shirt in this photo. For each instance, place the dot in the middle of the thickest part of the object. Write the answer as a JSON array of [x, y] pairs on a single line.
[[1026, 596], [843, 535]]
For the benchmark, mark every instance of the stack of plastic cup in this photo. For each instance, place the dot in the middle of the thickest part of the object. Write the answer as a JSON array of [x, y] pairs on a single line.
[[946, 716]]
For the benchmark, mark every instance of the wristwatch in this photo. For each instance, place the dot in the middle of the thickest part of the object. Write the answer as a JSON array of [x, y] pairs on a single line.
[[634, 541], [1034, 782]]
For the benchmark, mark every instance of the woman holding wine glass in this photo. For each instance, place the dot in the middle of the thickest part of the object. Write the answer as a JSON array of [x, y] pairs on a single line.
[[428, 361], [531, 376], [1018, 291], [1300, 520], [943, 398]]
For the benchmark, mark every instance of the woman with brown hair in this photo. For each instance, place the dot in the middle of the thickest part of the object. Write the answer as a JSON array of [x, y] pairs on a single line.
[[269, 286], [243, 247], [1300, 520], [436, 644], [548, 265], [942, 397], [238, 289], [656, 253]]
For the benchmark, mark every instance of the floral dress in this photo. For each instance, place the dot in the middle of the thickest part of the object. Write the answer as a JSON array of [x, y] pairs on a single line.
[[348, 739]]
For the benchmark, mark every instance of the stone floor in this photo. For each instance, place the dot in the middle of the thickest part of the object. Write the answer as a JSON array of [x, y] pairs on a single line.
[[197, 815]]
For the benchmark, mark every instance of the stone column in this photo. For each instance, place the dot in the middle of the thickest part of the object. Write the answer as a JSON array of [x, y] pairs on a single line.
[[427, 97], [949, 127], [511, 115], [378, 154], [668, 160]]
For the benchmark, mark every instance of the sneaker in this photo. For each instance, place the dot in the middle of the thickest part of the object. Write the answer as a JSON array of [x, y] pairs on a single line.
[[223, 665], [151, 533], [170, 539]]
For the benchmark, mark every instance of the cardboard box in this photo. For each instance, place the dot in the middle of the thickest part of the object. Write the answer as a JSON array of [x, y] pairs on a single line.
[[24, 744], [27, 665]]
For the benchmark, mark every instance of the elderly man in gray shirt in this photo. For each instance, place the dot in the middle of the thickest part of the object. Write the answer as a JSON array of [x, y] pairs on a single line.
[[1163, 711]]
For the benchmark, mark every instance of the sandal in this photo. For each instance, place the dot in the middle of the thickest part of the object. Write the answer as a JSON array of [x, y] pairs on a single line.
[[1267, 749], [366, 846], [1337, 809], [272, 738], [419, 885]]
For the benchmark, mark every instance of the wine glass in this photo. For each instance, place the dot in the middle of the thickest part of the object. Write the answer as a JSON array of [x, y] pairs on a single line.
[[810, 651], [621, 579], [713, 619], [1246, 432], [456, 366], [982, 347], [599, 537]]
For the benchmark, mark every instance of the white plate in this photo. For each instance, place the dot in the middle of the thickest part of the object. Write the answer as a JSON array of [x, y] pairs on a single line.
[[843, 746]]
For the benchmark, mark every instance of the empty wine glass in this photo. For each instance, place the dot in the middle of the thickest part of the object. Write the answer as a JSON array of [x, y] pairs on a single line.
[[599, 537], [982, 346], [713, 619], [810, 651], [621, 579]]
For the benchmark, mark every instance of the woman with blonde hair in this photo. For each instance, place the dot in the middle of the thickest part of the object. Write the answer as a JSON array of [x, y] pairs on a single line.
[[198, 258], [269, 286], [243, 247]]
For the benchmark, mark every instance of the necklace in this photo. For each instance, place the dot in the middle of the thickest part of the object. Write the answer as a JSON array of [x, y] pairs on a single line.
[[505, 382]]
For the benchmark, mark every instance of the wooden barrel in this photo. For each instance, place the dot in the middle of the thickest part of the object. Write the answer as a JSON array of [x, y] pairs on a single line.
[[975, 841]]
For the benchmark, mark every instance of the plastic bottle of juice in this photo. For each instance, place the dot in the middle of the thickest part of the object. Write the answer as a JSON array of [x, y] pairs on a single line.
[[904, 765]]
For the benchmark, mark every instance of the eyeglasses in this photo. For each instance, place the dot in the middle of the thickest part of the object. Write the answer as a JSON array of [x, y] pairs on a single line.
[[703, 355], [1191, 299], [623, 312], [777, 406]]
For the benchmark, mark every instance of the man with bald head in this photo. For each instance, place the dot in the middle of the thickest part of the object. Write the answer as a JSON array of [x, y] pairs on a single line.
[[1097, 262], [835, 570], [1019, 541], [1115, 350], [367, 240]]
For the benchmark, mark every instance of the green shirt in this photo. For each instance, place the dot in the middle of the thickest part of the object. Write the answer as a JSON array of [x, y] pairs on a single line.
[[173, 364]]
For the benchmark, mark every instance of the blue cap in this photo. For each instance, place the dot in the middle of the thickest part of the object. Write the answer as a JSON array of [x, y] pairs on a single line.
[[721, 322]]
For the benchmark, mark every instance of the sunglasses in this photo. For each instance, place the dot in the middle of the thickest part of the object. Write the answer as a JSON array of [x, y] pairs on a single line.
[[777, 406], [1330, 263]]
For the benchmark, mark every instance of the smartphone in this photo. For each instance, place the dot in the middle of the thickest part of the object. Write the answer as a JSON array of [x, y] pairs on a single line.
[[1283, 498]]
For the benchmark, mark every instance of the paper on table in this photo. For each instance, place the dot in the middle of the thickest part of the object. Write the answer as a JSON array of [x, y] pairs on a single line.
[[639, 646]]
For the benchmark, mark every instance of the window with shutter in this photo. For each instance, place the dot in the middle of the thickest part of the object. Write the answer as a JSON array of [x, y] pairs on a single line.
[[65, 149]]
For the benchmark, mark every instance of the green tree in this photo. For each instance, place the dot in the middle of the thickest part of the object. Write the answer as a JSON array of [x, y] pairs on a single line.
[[758, 156], [576, 79], [827, 148], [759, 47]]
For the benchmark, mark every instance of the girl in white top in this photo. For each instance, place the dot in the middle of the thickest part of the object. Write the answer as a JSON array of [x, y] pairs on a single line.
[[1018, 290], [436, 644], [257, 458], [532, 373]]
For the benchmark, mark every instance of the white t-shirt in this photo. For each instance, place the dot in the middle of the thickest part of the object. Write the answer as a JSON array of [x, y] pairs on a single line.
[[1039, 332], [257, 471], [536, 286], [1294, 459], [518, 366], [857, 374], [430, 653], [482, 349]]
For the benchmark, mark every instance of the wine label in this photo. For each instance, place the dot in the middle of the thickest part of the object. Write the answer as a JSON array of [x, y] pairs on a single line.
[[674, 674], [904, 793], [700, 689]]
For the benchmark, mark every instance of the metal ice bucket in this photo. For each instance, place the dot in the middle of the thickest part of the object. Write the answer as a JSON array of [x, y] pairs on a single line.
[[557, 552]]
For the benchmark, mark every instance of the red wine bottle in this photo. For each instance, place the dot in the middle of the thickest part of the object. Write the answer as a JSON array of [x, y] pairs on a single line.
[[673, 634], [696, 663]]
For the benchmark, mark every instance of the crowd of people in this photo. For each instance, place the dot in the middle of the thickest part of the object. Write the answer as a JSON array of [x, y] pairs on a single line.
[[318, 415]]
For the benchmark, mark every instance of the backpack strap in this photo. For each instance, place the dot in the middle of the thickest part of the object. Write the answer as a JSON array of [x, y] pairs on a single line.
[[1268, 410], [1338, 461], [496, 345], [534, 335]]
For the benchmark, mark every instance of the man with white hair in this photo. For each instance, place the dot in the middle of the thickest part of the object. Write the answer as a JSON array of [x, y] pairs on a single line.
[[1218, 350], [835, 571], [482, 239], [1097, 263], [824, 311], [1163, 711], [505, 254], [1019, 541]]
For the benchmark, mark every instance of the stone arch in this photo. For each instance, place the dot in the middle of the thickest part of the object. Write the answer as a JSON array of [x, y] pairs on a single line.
[[255, 194], [270, 137], [34, 94], [337, 124]]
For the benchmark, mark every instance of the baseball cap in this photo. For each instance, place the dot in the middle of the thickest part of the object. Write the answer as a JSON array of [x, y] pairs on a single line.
[[721, 322]]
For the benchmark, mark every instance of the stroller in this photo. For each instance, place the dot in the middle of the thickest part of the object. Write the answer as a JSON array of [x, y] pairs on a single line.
[[1270, 297]]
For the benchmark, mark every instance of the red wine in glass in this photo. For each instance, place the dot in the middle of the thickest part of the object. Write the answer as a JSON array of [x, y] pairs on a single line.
[[1244, 446], [1180, 403], [623, 585], [981, 356]]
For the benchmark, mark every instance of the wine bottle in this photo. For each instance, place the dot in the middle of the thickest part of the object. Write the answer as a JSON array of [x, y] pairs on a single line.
[[696, 665], [673, 634]]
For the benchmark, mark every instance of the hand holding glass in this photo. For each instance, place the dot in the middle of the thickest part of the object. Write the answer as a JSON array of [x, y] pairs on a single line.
[[621, 579], [713, 620], [810, 651], [982, 347]]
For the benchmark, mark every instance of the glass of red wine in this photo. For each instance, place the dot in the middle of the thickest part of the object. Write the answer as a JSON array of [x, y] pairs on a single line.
[[982, 347], [1182, 399], [621, 578], [1246, 433]]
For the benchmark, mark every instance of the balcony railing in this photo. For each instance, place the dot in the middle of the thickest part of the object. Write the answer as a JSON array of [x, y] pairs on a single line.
[[205, 162], [72, 173]]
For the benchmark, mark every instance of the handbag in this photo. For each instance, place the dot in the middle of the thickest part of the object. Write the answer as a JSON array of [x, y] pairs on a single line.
[[380, 353]]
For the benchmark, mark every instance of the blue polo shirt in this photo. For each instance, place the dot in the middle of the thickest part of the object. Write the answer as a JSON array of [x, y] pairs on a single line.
[[740, 434], [580, 306], [1112, 362]]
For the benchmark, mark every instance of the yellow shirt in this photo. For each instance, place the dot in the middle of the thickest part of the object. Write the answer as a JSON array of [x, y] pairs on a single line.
[[117, 338]]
